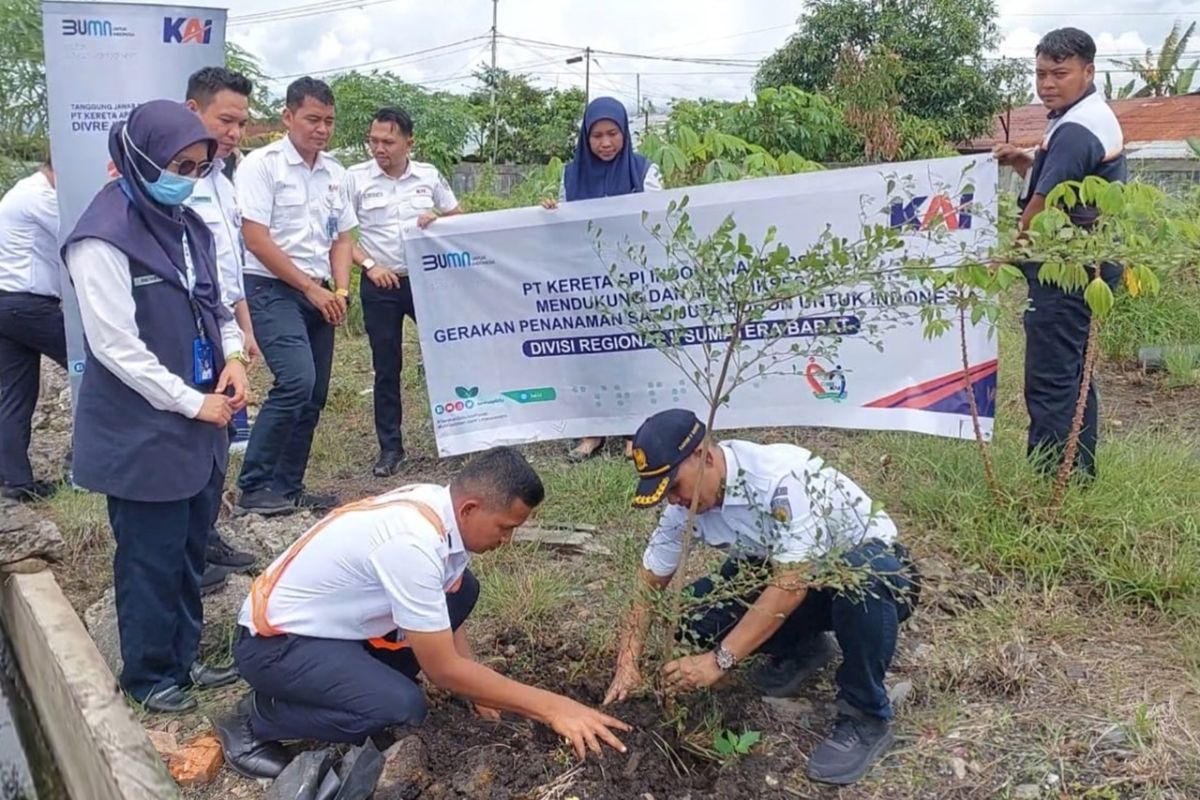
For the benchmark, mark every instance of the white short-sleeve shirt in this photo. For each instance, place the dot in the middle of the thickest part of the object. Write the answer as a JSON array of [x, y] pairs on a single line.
[[215, 201], [385, 205], [29, 260], [370, 572], [781, 503], [304, 209]]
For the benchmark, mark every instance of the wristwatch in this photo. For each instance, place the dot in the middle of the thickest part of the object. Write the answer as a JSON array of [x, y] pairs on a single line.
[[368, 263], [725, 659], [238, 356]]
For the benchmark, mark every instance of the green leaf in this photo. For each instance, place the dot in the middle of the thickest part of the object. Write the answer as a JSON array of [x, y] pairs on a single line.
[[749, 739], [1098, 297], [462, 391]]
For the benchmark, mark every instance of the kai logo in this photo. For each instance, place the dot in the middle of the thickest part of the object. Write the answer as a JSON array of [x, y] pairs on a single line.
[[186, 30], [923, 213]]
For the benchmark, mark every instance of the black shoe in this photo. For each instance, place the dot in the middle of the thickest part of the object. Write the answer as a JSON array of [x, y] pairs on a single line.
[[29, 492], [172, 700], [389, 463], [857, 742], [221, 554], [783, 677], [311, 501], [213, 580], [206, 677], [244, 753], [264, 502]]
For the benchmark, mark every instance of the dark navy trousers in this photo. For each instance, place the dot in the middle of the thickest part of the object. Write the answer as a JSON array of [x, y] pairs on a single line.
[[336, 690], [384, 311], [31, 326], [1056, 332], [156, 574], [865, 621], [297, 344]]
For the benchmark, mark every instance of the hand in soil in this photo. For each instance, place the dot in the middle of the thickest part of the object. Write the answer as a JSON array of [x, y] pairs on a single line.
[[486, 712], [693, 672], [628, 678], [584, 728]]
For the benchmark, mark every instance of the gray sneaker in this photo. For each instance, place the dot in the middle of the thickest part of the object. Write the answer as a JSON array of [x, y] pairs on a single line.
[[857, 742]]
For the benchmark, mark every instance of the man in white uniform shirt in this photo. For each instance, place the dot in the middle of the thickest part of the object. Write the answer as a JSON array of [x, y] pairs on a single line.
[[335, 632], [389, 192], [782, 515], [31, 322], [221, 98], [297, 223]]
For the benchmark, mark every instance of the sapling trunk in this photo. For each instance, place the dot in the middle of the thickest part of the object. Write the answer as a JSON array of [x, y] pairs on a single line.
[[984, 454], [674, 615], [1068, 458]]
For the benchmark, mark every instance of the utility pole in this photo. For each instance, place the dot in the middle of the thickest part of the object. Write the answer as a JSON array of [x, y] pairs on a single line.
[[639, 93], [495, 79], [587, 72]]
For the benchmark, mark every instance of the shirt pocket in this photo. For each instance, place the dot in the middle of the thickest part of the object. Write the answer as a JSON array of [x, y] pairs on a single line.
[[421, 202], [290, 208], [376, 211]]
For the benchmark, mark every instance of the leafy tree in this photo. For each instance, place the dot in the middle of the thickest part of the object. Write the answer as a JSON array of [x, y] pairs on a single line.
[[442, 121], [941, 44], [22, 81], [1160, 74], [528, 125], [263, 106]]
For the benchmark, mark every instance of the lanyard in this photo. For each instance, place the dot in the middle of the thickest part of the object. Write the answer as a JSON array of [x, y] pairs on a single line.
[[190, 285]]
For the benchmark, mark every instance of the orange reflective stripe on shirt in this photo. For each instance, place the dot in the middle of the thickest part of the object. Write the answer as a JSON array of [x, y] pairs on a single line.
[[264, 584]]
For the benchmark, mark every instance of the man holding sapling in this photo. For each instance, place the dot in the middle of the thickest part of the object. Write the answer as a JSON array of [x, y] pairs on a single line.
[[1083, 138], [784, 516]]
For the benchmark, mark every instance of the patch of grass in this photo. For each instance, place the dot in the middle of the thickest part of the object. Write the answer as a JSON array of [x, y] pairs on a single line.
[[1183, 364], [82, 519], [1171, 316], [597, 492], [521, 586], [1134, 534]]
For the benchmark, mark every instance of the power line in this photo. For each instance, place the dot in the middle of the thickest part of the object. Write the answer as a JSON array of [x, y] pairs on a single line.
[[298, 12]]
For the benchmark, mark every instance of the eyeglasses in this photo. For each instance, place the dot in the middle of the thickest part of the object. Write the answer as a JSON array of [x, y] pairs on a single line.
[[187, 167]]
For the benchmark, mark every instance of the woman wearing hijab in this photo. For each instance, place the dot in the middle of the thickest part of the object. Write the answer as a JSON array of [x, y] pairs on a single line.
[[163, 356], [605, 165]]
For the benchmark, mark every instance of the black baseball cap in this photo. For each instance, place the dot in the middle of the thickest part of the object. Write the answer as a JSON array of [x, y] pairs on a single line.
[[660, 445]]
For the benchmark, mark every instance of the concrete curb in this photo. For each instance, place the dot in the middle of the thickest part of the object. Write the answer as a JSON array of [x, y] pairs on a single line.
[[100, 748]]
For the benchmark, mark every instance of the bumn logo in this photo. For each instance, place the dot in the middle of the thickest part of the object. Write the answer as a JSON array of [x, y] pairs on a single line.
[[87, 27], [941, 209], [186, 30], [434, 261]]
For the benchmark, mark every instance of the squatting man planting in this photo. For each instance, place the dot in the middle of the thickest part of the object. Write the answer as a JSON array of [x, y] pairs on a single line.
[[779, 512]]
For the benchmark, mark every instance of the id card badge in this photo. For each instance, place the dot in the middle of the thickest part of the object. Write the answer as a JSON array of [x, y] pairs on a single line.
[[204, 365], [331, 226]]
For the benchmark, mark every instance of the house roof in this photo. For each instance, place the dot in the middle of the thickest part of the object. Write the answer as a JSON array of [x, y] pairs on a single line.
[[1143, 119]]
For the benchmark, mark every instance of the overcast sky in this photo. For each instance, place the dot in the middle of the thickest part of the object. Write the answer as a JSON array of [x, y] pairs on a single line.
[[737, 31]]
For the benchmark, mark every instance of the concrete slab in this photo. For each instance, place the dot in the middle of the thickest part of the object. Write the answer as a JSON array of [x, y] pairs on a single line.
[[100, 747]]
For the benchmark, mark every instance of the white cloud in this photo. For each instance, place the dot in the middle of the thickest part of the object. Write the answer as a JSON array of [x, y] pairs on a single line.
[[691, 28]]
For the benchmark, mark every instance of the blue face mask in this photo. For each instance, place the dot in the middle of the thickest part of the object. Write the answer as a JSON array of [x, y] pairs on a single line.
[[170, 189]]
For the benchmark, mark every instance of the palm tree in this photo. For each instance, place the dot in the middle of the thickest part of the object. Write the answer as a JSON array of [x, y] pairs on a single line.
[[1160, 75]]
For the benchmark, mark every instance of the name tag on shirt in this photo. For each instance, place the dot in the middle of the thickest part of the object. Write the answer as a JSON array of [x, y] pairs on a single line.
[[146, 280]]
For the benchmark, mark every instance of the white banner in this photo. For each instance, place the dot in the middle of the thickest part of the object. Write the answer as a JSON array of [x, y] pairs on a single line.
[[515, 350], [102, 60]]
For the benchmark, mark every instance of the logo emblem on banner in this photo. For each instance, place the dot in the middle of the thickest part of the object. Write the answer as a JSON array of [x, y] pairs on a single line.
[[98, 28], [186, 30], [826, 384]]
